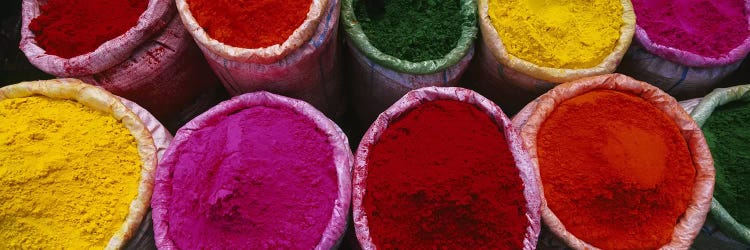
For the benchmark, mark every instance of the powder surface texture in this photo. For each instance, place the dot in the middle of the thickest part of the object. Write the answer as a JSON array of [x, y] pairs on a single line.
[[412, 30], [68, 28], [727, 132], [68, 174], [615, 170], [442, 176], [261, 177], [250, 23], [709, 28], [572, 34]]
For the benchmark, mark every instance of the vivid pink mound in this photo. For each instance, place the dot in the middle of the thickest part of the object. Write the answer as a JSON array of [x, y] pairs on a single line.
[[263, 177], [709, 28]]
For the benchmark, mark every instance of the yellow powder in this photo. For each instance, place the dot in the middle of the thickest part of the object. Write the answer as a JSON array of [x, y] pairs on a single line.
[[571, 34], [68, 174]]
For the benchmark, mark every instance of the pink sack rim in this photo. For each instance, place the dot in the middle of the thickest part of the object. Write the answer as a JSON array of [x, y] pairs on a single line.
[[410, 101], [691, 59], [342, 156], [107, 55]]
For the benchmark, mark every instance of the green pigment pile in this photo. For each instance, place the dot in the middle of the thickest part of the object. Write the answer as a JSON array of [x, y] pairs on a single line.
[[412, 30], [727, 132]]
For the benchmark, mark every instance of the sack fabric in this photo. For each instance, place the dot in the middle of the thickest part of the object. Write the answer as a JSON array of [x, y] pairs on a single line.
[[531, 118], [512, 82], [154, 64], [379, 79], [306, 66], [701, 110], [410, 101]]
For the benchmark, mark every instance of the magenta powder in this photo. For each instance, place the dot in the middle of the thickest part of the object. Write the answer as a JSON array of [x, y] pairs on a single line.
[[263, 177], [709, 28]]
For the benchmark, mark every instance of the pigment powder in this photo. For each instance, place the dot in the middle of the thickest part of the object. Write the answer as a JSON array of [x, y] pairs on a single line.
[[68, 28], [727, 132], [263, 177], [705, 27], [68, 174], [615, 170], [442, 175], [250, 23], [412, 30], [558, 34]]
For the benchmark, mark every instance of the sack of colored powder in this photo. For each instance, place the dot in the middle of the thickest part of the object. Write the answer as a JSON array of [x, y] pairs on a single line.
[[406, 45], [621, 165], [78, 166], [724, 115], [285, 47], [444, 168], [529, 46], [259, 171], [136, 49], [686, 47]]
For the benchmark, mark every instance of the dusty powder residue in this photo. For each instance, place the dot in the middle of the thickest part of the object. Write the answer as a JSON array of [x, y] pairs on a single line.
[[261, 177], [559, 34], [68, 174], [704, 27]]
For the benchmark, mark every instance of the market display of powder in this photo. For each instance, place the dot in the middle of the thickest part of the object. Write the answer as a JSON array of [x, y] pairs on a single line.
[[559, 34], [250, 23], [615, 170], [262, 176], [412, 30], [442, 175], [709, 28], [727, 132], [68, 28], [68, 174]]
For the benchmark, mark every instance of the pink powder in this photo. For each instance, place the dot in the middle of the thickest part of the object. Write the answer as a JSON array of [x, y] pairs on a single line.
[[703, 27], [263, 177]]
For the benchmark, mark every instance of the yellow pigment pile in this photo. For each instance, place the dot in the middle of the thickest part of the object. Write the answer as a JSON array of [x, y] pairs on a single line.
[[68, 174], [571, 34]]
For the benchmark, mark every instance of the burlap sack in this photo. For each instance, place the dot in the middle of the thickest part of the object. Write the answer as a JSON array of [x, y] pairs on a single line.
[[305, 66], [99, 99], [154, 64], [410, 101], [530, 119], [512, 82], [379, 79], [342, 157], [701, 110], [680, 73]]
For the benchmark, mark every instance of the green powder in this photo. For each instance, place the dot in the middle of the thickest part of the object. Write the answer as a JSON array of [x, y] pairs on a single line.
[[728, 134], [412, 30]]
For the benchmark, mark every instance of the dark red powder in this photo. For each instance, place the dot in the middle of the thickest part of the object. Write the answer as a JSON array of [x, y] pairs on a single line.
[[68, 28], [250, 23], [442, 175]]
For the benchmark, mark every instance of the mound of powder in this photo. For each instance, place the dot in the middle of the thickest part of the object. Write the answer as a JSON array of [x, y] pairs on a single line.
[[572, 34], [727, 132], [442, 175], [261, 177], [709, 28], [68, 28], [412, 30], [250, 23], [68, 174], [615, 170]]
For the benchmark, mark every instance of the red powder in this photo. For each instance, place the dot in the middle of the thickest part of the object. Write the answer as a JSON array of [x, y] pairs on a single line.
[[250, 23], [708, 28], [442, 175], [68, 28]]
